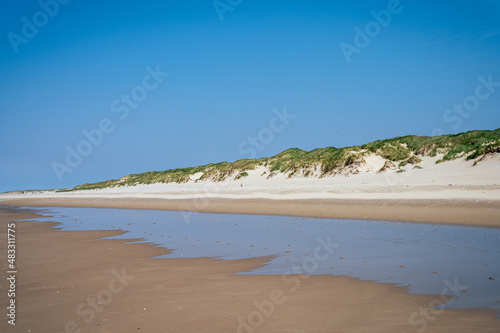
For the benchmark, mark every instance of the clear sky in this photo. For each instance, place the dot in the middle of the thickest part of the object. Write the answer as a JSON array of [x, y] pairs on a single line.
[[338, 73]]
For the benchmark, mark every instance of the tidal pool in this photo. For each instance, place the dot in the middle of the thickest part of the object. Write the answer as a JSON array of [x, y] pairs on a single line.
[[461, 261]]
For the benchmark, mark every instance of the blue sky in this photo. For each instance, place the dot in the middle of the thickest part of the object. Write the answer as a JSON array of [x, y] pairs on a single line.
[[227, 79]]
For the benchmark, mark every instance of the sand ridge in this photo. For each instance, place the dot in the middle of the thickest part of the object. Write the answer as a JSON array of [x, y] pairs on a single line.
[[456, 192]]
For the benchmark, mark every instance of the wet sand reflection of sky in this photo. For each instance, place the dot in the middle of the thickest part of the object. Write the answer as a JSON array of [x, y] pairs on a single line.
[[424, 257]]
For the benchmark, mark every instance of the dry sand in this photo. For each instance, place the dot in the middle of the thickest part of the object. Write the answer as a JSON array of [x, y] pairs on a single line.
[[452, 192], [464, 212], [60, 271]]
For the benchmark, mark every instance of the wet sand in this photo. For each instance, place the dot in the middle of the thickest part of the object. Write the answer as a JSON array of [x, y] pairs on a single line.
[[457, 211], [61, 274]]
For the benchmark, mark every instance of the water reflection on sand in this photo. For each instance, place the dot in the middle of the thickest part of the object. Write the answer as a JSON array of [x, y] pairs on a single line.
[[427, 258]]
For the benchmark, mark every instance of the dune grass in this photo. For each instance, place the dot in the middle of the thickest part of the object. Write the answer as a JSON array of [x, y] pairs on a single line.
[[405, 150]]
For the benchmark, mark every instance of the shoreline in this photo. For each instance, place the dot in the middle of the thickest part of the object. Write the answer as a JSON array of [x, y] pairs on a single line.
[[200, 293], [485, 213], [456, 192]]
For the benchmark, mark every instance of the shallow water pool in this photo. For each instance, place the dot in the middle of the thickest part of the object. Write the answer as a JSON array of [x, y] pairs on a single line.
[[460, 261]]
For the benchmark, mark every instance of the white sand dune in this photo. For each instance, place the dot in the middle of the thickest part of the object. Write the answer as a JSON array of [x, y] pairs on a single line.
[[458, 179]]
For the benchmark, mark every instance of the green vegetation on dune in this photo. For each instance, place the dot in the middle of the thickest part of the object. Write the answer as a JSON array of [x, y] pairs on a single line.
[[452, 146], [326, 161], [241, 175]]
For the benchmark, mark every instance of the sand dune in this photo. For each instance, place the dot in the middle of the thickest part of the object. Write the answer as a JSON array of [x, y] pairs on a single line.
[[451, 192]]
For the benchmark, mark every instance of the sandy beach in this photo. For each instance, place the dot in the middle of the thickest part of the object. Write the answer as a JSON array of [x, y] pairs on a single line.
[[464, 212], [63, 273], [454, 192], [245, 166], [188, 295]]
